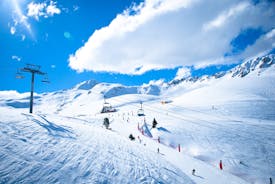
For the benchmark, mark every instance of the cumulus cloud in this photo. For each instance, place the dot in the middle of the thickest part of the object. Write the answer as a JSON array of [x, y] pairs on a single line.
[[159, 34], [45, 10]]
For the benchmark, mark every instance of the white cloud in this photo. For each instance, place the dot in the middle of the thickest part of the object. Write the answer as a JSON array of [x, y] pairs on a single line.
[[168, 33], [17, 58], [12, 30], [22, 11], [183, 73], [52, 9], [45, 10], [36, 10], [224, 16], [270, 34], [53, 66]]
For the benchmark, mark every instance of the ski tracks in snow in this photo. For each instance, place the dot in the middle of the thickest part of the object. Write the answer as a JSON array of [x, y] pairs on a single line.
[[54, 149]]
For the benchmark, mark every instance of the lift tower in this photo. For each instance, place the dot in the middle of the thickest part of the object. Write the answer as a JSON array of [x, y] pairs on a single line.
[[33, 69]]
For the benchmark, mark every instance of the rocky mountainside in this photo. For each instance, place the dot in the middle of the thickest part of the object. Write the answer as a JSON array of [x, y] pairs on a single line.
[[259, 64]]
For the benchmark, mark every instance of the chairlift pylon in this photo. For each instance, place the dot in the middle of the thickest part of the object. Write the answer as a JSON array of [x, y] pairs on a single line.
[[140, 111]]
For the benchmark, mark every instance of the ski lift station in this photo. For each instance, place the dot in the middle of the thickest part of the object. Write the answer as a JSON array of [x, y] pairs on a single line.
[[107, 107], [165, 101]]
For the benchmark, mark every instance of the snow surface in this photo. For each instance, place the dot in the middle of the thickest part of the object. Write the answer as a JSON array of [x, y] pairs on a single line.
[[228, 118], [55, 149]]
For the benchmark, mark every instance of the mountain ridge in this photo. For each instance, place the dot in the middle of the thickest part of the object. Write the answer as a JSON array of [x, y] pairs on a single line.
[[240, 70], [258, 64]]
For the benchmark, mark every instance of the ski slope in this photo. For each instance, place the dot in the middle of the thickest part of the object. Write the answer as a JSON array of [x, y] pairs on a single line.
[[44, 148], [54, 149]]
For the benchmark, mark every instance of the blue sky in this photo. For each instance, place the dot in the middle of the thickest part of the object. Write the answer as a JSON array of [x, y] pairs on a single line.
[[126, 41]]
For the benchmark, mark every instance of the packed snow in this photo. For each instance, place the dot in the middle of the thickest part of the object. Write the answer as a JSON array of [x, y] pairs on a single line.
[[200, 122]]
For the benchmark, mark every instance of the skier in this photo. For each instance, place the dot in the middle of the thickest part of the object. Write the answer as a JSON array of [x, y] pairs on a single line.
[[139, 139], [131, 137], [193, 172], [270, 180], [158, 150], [221, 164]]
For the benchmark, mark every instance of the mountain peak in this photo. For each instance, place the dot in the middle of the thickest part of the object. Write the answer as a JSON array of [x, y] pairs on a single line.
[[86, 85], [253, 64]]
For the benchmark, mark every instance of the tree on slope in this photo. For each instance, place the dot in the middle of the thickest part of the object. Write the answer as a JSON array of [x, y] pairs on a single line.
[[154, 124], [106, 123]]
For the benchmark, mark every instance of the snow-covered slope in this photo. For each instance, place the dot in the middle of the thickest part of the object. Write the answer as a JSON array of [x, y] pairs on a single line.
[[248, 95], [55, 149], [228, 117], [44, 148]]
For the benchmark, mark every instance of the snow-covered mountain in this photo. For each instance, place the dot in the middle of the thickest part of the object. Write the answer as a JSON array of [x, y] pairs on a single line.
[[259, 64], [228, 116], [112, 90]]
